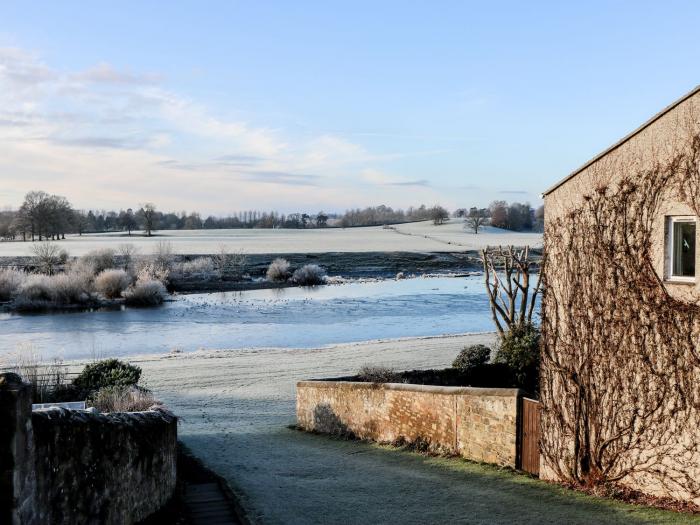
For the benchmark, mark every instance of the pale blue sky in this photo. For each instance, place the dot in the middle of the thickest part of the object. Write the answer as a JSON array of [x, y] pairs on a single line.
[[220, 106]]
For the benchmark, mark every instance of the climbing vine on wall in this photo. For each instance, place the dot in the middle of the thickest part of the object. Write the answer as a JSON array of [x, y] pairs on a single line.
[[620, 371]]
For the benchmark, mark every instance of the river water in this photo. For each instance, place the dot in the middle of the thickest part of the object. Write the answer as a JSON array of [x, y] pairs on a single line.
[[290, 317]]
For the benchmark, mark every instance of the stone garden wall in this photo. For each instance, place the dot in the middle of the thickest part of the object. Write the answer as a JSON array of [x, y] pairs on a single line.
[[477, 423], [72, 466]]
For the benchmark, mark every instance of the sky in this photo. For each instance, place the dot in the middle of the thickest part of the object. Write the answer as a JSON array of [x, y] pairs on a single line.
[[305, 106]]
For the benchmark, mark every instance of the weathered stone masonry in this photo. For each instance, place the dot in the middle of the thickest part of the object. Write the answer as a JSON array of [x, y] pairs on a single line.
[[65, 466], [477, 423]]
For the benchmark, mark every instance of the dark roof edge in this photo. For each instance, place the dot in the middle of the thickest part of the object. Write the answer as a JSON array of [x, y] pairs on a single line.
[[623, 140]]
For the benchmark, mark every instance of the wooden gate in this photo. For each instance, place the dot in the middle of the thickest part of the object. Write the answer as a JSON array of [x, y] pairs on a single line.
[[530, 436]]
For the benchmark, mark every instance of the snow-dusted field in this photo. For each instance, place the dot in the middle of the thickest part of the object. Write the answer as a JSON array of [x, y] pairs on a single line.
[[236, 405], [413, 237]]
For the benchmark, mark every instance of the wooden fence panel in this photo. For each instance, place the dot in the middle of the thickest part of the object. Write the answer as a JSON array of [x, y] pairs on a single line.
[[530, 436]]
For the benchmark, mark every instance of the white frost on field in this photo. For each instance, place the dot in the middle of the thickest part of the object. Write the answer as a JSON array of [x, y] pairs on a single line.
[[412, 237], [236, 405]]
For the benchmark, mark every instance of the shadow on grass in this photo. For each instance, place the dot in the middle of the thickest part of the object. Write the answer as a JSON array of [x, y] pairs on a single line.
[[484, 493]]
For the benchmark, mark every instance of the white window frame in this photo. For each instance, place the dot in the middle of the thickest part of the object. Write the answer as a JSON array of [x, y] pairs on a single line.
[[669, 248]]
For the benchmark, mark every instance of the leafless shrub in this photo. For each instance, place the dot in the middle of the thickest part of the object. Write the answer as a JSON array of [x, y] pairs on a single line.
[[127, 252], [511, 293], [201, 266], [10, 281], [46, 291], [230, 263], [278, 271], [70, 288], [147, 269], [35, 288], [163, 254], [309, 275], [378, 374], [145, 292], [97, 260], [48, 256], [111, 283], [45, 376], [122, 399]]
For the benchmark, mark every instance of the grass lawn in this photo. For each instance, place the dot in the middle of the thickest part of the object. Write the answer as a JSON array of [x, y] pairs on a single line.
[[503, 496]]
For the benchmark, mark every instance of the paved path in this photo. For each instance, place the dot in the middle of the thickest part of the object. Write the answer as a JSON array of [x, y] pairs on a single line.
[[236, 406]]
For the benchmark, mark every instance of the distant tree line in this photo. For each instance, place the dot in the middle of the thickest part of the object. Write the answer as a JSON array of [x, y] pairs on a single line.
[[42, 216], [516, 216], [381, 215]]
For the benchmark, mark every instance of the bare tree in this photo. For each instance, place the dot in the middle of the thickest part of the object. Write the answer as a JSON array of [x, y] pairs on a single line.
[[511, 292], [438, 214], [476, 219], [48, 256], [148, 211], [127, 220]]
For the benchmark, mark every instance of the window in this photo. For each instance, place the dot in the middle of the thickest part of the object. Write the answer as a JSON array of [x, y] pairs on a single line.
[[681, 248]]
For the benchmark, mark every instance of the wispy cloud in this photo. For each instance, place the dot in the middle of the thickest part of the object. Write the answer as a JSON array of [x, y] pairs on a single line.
[[110, 137], [104, 73], [420, 182], [514, 192]]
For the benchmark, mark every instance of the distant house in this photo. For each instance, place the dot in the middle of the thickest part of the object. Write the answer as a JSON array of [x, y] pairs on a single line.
[[620, 380]]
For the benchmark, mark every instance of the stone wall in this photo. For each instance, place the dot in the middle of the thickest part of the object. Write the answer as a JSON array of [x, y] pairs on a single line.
[[477, 423], [70, 466]]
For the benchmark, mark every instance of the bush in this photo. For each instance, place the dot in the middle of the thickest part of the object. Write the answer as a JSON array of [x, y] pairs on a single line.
[[472, 356], [47, 256], [40, 291], [145, 292], [309, 275], [98, 260], [107, 373], [163, 254], [122, 399], [35, 288], [198, 266], [45, 377], [151, 270], [519, 348], [378, 374], [278, 271], [70, 288], [127, 252], [230, 263], [111, 283], [10, 281]]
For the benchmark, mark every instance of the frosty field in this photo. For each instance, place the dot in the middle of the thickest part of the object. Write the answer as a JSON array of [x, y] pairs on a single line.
[[411, 237]]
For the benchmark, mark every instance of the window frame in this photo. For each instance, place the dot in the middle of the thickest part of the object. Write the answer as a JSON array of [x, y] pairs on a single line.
[[670, 232]]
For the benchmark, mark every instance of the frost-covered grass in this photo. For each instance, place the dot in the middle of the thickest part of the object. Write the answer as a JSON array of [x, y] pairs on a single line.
[[122, 399], [423, 237], [84, 280], [97, 261], [39, 291], [10, 281], [251, 449]]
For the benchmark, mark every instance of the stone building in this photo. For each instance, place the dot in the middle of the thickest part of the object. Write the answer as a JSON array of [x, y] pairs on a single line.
[[620, 385]]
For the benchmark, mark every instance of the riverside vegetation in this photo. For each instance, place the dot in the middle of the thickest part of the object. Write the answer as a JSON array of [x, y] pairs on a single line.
[[109, 385], [106, 277]]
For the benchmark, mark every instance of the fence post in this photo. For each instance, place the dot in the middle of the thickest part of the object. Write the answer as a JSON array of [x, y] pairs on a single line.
[[17, 473]]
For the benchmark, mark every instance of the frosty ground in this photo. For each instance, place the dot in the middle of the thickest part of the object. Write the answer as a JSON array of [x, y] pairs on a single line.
[[236, 407], [410, 237]]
